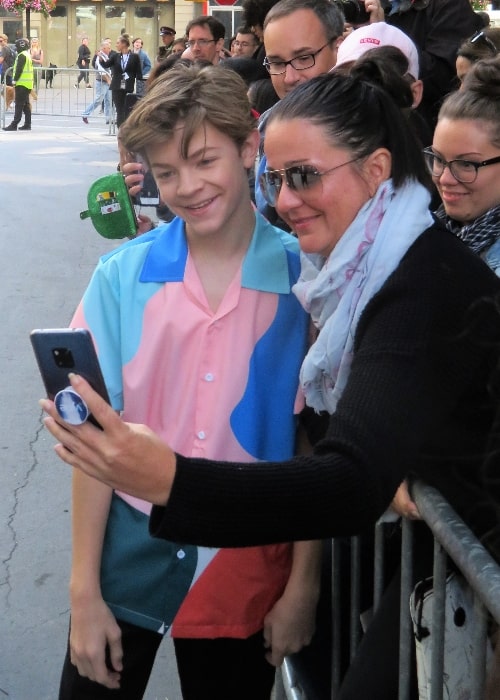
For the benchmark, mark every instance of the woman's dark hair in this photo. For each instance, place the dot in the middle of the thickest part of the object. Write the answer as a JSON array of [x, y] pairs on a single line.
[[247, 68], [161, 66], [262, 95], [481, 45], [479, 98], [255, 11], [358, 114]]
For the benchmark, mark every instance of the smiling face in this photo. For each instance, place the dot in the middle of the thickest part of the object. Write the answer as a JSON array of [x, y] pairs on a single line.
[[320, 214], [469, 140], [295, 35], [209, 188]]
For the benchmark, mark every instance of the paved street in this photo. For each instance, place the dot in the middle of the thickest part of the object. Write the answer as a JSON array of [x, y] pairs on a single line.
[[47, 256]]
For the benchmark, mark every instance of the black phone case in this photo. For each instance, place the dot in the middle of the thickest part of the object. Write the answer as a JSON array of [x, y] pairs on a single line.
[[59, 351]]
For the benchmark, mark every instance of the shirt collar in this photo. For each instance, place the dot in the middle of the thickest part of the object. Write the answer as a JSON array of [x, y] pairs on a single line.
[[265, 266]]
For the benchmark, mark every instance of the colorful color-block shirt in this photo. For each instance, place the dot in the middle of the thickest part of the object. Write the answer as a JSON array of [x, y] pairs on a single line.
[[219, 385]]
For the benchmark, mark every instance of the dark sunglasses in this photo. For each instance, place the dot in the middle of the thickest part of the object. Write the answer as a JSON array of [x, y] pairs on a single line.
[[297, 178]]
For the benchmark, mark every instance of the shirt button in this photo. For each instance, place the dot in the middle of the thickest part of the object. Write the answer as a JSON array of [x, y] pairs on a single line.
[[201, 435], [181, 554], [209, 377]]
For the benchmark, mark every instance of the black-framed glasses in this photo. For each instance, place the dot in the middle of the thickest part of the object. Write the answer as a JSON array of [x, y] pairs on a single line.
[[297, 178], [244, 44], [200, 42], [464, 171], [481, 36], [307, 60]]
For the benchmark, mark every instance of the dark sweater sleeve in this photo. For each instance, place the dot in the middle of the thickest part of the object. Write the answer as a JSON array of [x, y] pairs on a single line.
[[411, 396]]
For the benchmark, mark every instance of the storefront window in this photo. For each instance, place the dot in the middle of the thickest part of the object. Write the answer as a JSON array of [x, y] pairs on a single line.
[[145, 27], [56, 51], [231, 18]]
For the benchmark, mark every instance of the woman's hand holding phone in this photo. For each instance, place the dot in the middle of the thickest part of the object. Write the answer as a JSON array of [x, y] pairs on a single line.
[[125, 456]]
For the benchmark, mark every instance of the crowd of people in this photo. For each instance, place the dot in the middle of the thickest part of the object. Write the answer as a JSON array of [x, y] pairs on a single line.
[[281, 363]]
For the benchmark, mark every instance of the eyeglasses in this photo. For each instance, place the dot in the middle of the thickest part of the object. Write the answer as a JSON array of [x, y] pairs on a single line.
[[297, 178], [307, 60], [244, 44], [464, 171], [200, 42], [481, 36]]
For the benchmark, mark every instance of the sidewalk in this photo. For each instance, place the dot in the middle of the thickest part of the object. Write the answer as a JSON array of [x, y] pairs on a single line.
[[47, 255]]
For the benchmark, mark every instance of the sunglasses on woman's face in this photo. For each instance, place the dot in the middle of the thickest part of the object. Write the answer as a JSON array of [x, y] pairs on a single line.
[[297, 178]]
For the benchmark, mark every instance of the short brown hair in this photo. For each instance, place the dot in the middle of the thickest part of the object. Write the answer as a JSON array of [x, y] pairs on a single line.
[[191, 94]]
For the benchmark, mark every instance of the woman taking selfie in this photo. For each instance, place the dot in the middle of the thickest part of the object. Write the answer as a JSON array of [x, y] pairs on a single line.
[[399, 365], [464, 161]]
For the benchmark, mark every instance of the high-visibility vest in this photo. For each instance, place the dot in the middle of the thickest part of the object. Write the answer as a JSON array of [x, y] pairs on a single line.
[[26, 77]]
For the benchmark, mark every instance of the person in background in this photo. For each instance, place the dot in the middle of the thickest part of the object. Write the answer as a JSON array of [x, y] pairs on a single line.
[[36, 53], [102, 84], [262, 95], [301, 39], [254, 15], [401, 363], [22, 78], [140, 85], [437, 27], [205, 39], [6, 59], [464, 161], [246, 43], [125, 70], [167, 36], [483, 44], [178, 46], [389, 43], [83, 62]]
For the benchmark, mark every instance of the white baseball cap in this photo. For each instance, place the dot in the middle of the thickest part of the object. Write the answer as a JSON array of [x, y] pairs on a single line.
[[377, 34]]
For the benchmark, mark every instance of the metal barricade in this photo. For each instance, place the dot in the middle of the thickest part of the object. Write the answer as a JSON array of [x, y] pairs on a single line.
[[59, 94], [454, 541]]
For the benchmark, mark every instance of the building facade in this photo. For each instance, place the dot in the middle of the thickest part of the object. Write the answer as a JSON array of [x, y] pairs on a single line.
[[61, 34]]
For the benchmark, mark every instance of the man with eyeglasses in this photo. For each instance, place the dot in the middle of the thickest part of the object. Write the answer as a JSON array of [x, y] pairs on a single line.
[[246, 43], [205, 38], [301, 38]]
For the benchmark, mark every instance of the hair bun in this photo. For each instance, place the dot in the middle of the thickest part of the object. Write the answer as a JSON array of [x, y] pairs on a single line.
[[484, 78]]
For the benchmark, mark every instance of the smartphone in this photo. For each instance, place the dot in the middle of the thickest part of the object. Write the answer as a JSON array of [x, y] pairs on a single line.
[[58, 352], [149, 196]]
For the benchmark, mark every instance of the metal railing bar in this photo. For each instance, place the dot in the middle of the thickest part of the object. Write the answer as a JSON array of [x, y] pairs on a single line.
[[405, 625], [355, 596], [477, 566], [438, 621], [478, 645]]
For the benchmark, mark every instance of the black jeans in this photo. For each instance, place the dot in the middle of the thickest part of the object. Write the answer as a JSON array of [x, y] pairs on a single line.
[[84, 75], [139, 651], [209, 669], [22, 97], [224, 669]]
